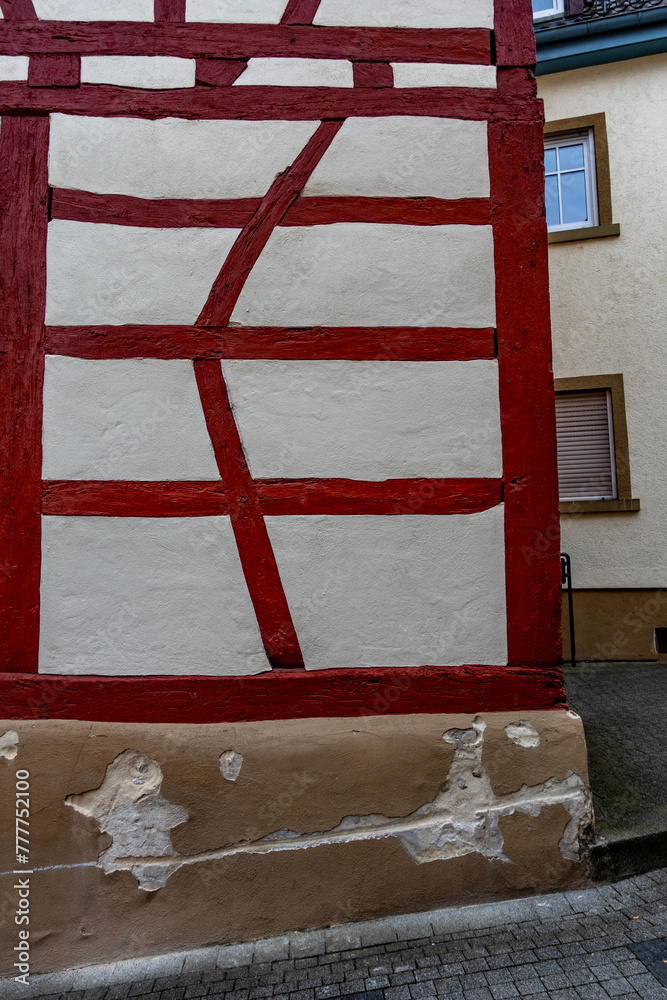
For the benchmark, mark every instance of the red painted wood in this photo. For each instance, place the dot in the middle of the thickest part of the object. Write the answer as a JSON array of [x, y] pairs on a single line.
[[300, 12], [24, 145], [219, 72], [240, 41], [526, 394], [257, 559], [373, 74], [253, 238], [514, 33], [516, 80], [169, 10], [18, 10], [123, 210], [57, 70], [276, 496], [259, 103], [330, 343], [278, 694]]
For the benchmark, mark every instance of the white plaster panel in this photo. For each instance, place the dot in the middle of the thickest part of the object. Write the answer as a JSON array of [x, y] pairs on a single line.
[[97, 273], [404, 590], [149, 72], [443, 75], [94, 10], [265, 71], [137, 418], [145, 596], [407, 13], [350, 274], [235, 11], [172, 158], [404, 156], [367, 419], [14, 67]]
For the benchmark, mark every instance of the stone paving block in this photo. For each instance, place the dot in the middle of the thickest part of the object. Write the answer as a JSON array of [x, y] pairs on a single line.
[[235, 955], [271, 949]]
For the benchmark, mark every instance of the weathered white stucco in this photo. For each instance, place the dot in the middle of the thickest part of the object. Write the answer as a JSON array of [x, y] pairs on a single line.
[[609, 311], [94, 10], [172, 158], [235, 11], [297, 73], [404, 156], [97, 273], [408, 13], [14, 67], [402, 590], [349, 274], [145, 596], [367, 419], [139, 418], [150, 72], [443, 75]]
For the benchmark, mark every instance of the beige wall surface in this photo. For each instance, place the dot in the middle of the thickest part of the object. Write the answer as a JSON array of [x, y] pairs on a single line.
[[609, 311]]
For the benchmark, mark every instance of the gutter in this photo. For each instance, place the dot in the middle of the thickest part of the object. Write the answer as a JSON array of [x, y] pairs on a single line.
[[605, 40]]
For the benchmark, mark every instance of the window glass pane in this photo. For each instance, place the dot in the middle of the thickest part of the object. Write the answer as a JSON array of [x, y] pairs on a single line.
[[539, 6], [551, 198], [573, 190], [550, 160], [571, 157]]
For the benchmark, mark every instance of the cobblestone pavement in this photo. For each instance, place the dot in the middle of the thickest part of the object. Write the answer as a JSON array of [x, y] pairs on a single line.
[[592, 950]]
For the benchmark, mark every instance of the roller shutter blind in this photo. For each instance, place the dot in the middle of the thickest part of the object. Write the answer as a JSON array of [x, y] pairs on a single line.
[[586, 461]]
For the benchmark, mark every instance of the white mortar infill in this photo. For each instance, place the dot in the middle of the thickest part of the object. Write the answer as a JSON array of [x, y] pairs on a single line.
[[94, 10], [265, 71], [235, 11], [407, 13], [137, 418], [144, 595], [172, 157], [149, 72], [14, 67], [351, 274], [443, 75], [98, 273], [367, 419], [403, 156], [405, 590]]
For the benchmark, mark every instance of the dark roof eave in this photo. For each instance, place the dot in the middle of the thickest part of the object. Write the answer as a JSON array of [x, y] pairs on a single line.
[[603, 40]]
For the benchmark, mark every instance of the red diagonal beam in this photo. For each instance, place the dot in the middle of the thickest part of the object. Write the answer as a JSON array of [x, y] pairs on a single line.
[[18, 10], [254, 237], [300, 12], [257, 558], [169, 10], [24, 145]]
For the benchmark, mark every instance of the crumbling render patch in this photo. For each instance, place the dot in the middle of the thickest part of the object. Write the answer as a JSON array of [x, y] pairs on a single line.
[[230, 764], [129, 807], [9, 744], [462, 819], [523, 733]]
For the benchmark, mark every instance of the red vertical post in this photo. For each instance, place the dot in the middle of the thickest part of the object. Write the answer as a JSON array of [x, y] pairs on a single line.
[[532, 535], [24, 144]]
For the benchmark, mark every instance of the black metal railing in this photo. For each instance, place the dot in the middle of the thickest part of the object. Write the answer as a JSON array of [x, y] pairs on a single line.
[[566, 578]]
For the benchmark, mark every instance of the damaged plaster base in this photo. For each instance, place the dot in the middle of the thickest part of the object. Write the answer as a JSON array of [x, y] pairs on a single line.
[[141, 843]]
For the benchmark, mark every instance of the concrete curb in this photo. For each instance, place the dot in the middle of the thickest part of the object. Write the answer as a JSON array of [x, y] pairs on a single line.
[[303, 944]]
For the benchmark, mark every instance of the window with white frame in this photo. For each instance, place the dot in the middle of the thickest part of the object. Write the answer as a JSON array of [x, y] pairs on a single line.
[[569, 181], [546, 8], [586, 452]]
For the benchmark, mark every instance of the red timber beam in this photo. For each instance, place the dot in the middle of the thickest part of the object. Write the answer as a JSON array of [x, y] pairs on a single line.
[[346, 343], [283, 694], [24, 143], [240, 41], [18, 10], [300, 12]]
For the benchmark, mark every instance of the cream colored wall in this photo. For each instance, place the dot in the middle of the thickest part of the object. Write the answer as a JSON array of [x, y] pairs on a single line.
[[609, 310]]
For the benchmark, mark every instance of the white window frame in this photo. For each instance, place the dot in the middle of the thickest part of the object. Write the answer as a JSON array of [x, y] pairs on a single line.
[[588, 139], [612, 450], [556, 9]]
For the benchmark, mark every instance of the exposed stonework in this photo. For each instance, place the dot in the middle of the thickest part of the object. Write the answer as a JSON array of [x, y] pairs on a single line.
[[230, 764], [9, 744], [523, 733]]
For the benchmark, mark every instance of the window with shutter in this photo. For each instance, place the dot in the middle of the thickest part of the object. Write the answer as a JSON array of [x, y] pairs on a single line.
[[585, 434]]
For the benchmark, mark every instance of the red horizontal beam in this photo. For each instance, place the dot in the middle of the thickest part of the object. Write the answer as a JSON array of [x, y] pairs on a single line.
[[283, 694], [239, 41], [173, 213], [277, 343], [119, 498], [259, 103]]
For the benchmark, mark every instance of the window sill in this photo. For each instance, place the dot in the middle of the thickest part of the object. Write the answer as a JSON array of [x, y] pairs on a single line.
[[587, 233], [622, 506]]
